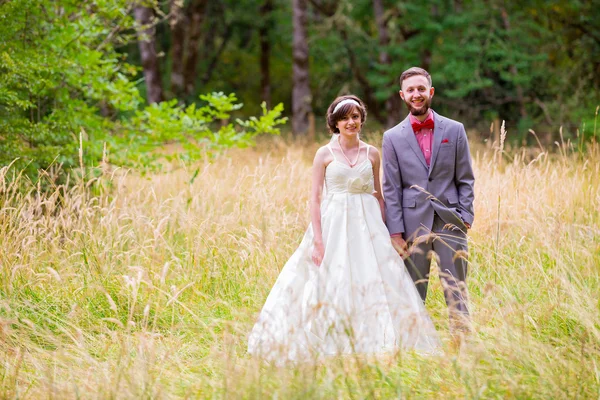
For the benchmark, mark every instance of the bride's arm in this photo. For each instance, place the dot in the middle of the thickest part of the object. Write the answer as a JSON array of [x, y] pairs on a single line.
[[318, 178], [376, 161]]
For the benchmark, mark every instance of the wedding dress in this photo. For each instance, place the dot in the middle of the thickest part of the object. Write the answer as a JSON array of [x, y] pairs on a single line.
[[360, 300]]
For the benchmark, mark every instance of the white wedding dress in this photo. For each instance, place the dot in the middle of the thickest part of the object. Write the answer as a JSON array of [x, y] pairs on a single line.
[[360, 300]]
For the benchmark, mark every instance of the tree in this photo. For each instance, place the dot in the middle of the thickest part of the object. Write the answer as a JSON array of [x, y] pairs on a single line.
[[392, 103], [144, 17], [177, 19], [265, 50], [301, 94], [197, 11]]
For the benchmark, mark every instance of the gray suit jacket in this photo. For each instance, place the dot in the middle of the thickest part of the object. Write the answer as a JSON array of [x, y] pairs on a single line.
[[414, 191]]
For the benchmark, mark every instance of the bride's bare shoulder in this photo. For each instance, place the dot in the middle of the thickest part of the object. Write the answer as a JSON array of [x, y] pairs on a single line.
[[323, 155], [373, 151]]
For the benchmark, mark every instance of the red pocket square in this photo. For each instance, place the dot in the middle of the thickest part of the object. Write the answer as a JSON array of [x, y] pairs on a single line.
[[445, 141]]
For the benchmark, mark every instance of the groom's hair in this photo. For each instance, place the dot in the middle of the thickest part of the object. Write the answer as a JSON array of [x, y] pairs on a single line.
[[415, 71], [334, 117]]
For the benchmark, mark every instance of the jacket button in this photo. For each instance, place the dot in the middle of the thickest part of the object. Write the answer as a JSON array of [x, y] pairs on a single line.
[[430, 179]]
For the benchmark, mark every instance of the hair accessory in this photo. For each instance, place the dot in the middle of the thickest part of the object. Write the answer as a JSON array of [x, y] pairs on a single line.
[[346, 101]]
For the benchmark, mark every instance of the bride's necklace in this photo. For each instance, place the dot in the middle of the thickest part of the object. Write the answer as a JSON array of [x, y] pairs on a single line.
[[352, 164]]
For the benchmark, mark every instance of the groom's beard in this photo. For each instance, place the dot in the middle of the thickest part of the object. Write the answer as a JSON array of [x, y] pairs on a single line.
[[419, 111]]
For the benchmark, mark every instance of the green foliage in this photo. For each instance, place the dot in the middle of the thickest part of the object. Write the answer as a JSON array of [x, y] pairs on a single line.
[[266, 122], [526, 62], [61, 74], [66, 67], [58, 70], [191, 130]]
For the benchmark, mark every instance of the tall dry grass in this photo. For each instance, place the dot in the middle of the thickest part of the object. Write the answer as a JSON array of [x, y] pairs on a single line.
[[149, 287]]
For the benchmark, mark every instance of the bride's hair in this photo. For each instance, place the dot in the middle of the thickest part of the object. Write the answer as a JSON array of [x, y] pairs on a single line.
[[343, 110]]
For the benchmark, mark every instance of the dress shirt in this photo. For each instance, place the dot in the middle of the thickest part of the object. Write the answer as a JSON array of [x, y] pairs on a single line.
[[424, 137]]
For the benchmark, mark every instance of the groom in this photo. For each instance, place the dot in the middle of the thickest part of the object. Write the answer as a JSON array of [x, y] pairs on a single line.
[[428, 188]]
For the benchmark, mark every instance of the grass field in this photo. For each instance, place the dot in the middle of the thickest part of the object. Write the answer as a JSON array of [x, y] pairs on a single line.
[[149, 288]]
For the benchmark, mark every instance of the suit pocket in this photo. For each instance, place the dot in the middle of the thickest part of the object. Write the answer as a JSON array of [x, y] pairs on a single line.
[[445, 159], [409, 202], [451, 197]]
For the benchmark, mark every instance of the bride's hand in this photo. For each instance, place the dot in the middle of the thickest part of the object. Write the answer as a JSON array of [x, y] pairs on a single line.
[[317, 254]]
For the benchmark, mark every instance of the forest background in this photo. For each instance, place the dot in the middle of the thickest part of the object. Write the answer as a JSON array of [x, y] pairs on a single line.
[[91, 67]]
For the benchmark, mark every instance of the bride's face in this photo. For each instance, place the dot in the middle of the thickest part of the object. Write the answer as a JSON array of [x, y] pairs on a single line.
[[349, 125]]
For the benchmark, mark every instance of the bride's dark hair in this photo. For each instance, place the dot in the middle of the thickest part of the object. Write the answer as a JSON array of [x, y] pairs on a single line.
[[333, 118]]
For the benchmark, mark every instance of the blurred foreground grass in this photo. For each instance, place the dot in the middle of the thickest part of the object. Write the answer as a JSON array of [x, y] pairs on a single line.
[[150, 288]]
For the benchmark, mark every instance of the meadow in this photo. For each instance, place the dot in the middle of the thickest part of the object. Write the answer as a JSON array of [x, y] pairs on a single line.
[[146, 286]]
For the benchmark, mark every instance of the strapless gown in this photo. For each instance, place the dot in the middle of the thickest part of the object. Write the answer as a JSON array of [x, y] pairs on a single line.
[[360, 300]]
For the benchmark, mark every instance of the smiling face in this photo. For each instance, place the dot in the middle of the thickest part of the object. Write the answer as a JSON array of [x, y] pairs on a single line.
[[350, 124], [340, 108], [417, 93]]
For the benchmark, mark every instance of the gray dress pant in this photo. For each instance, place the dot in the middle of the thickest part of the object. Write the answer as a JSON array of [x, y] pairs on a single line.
[[450, 248]]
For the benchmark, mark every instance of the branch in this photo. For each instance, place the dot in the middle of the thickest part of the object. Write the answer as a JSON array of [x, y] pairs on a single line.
[[544, 108], [116, 29], [213, 62], [585, 30], [327, 9]]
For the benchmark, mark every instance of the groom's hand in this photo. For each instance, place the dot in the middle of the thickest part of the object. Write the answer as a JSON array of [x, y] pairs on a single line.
[[400, 245]]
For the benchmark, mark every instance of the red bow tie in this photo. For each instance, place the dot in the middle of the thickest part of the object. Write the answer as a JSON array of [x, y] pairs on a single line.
[[427, 124]]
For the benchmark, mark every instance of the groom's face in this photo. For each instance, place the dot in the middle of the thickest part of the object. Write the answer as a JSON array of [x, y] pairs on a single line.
[[417, 93]]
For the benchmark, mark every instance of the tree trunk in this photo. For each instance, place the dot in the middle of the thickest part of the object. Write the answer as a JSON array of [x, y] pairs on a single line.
[[301, 96], [513, 70], [392, 104], [147, 43], [198, 8], [265, 51], [176, 21]]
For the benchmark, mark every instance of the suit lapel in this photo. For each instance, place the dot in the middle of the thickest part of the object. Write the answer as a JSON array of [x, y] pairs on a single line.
[[410, 137], [438, 133]]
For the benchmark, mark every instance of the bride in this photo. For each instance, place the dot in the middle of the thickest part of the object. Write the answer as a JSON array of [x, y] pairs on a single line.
[[345, 289]]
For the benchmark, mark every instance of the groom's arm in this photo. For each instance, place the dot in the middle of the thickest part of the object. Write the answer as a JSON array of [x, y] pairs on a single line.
[[464, 178], [392, 187]]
